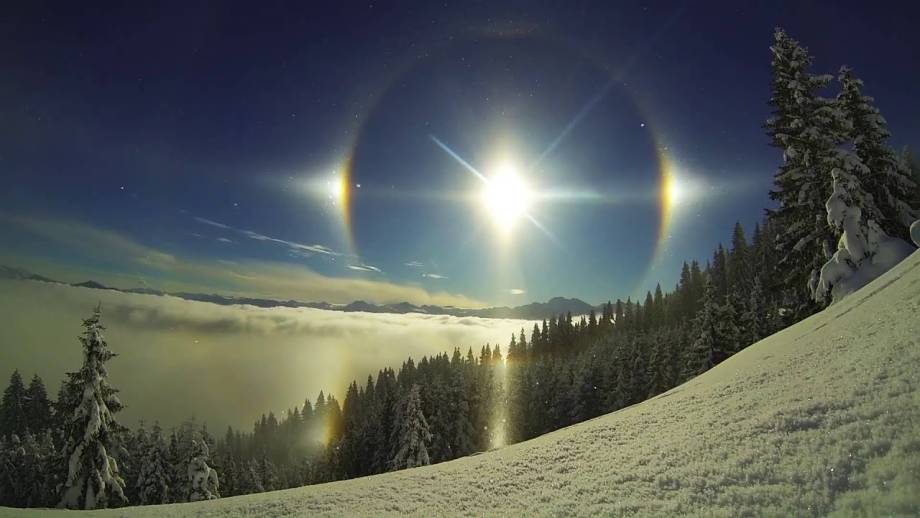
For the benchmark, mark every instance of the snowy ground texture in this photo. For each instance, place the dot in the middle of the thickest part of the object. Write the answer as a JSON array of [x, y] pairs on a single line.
[[820, 419]]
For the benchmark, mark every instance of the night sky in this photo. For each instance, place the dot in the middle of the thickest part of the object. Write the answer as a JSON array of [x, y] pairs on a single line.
[[204, 146]]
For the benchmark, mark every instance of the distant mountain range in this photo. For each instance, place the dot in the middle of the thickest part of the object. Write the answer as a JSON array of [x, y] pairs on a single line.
[[532, 311]]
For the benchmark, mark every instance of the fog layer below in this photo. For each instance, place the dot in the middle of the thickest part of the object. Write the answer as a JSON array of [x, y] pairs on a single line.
[[221, 364]]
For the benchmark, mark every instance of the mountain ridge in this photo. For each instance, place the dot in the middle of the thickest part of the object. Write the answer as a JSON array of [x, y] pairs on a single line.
[[531, 311]]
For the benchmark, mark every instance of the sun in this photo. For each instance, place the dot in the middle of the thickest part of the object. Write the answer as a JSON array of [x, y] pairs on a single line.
[[506, 197], [336, 190], [675, 190]]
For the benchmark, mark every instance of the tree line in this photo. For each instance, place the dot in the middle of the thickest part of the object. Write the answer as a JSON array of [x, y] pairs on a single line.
[[840, 185]]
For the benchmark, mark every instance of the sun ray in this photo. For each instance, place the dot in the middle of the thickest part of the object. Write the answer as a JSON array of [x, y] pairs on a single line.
[[458, 158], [585, 110]]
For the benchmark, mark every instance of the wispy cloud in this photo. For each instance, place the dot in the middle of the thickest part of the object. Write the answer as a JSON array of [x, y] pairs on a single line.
[[434, 276], [516, 291], [226, 240], [302, 248], [92, 241], [205, 221], [414, 264], [126, 259], [313, 249], [364, 268]]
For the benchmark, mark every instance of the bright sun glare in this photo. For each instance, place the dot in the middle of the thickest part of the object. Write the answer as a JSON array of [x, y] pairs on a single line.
[[675, 191], [336, 189], [506, 197]]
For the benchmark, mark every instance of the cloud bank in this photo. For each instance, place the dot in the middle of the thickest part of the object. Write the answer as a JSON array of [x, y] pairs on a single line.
[[222, 364]]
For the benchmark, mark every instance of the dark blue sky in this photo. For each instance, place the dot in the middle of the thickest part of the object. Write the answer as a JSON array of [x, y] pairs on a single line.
[[123, 123]]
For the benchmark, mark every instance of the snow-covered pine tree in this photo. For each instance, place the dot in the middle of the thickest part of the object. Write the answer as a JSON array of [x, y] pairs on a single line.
[[202, 479], [177, 469], [717, 332], [729, 317], [27, 478], [91, 432], [462, 432], [268, 475], [68, 397], [4, 472], [910, 163], [250, 482], [739, 262], [12, 407], [17, 473], [37, 406], [412, 435], [136, 444], [227, 456], [352, 410], [754, 319], [630, 377], [659, 365], [153, 478], [804, 125], [888, 177], [864, 250], [32, 477], [387, 392]]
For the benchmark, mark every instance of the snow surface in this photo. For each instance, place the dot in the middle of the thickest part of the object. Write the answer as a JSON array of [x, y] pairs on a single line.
[[820, 419]]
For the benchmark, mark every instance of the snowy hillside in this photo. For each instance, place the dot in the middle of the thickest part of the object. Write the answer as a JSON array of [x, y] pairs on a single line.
[[822, 418]]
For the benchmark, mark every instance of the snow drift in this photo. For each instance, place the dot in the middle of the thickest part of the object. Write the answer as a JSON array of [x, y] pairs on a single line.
[[821, 418]]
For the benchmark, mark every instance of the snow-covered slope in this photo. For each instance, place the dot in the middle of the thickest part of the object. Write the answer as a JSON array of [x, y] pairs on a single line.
[[822, 418]]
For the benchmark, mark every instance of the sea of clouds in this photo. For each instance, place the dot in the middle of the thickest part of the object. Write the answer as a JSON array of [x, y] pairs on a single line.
[[224, 365]]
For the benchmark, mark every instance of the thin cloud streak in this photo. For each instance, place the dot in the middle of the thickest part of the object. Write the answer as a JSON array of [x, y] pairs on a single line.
[[311, 249], [364, 268]]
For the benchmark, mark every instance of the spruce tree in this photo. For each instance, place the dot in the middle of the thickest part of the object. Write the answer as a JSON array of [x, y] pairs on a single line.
[[37, 406], [702, 356], [412, 436], [267, 474], [910, 163], [739, 261], [250, 481], [804, 125], [887, 177], [13, 419], [91, 432], [729, 336], [16, 470], [461, 427], [153, 478], [177, 466], [202, 479], [755, 316], [45, 466]]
